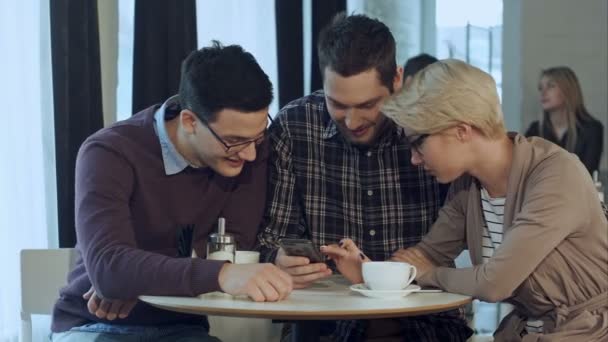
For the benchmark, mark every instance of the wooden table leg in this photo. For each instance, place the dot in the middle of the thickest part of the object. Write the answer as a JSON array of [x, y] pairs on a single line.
[[305, 331]]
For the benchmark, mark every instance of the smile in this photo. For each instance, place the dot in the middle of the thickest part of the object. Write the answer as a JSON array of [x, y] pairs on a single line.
[[235, 162], [359, 132]]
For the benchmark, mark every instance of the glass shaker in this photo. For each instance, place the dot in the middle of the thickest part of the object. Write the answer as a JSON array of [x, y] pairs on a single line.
[[221, 245]]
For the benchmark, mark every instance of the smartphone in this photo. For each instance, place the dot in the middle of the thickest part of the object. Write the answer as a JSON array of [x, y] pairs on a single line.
[[301, 247], [430, 290]]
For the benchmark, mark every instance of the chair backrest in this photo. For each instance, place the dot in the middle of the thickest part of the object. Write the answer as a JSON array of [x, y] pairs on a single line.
[[43, 273]]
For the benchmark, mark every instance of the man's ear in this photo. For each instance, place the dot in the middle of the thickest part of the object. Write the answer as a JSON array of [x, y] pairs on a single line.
[[188, 121], [407, 82], [398, 80]]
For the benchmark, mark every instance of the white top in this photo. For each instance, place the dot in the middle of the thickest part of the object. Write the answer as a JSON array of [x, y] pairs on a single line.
[[326, 300]]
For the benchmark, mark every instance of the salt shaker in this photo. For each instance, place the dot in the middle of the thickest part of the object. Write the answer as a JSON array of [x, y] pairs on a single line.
[[220, 245]]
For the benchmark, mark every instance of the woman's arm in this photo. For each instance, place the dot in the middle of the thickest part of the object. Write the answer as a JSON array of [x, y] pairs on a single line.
[[555, 207], [446, 238]]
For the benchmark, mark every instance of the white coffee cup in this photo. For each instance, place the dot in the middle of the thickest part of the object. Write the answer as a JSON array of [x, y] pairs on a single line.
[[388, 275], [246, 257]]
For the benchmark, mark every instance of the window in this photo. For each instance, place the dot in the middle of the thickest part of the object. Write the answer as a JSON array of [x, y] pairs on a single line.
[[124, 92], [28, 212], [471, 30], [250, 24]]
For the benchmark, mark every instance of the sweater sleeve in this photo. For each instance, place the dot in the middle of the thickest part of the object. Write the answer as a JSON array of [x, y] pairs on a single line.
[[104, 227], [543, 222]]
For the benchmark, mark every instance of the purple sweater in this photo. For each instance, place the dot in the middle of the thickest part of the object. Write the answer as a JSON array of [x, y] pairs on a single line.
[[129, 212]]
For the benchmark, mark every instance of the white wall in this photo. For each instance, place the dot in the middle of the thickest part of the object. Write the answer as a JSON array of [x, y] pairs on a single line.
[[544, 33]]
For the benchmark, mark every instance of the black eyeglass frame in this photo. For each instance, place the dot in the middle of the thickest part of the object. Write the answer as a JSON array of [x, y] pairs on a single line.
[[241, 145], [417, 142]]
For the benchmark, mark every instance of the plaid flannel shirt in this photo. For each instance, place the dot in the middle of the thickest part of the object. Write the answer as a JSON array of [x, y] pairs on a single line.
[[323, 188]]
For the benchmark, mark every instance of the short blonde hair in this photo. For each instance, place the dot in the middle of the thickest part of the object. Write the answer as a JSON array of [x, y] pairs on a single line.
[[445, 94]]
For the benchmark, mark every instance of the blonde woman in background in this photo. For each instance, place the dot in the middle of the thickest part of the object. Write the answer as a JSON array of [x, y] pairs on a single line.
[[525, 208], [565, 121]]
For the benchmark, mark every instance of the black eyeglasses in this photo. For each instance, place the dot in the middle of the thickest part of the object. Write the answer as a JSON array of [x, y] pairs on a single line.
[[416, 144], [238, 147]]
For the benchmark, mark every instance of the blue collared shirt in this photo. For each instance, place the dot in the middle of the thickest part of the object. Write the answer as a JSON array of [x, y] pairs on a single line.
[[174, 162]]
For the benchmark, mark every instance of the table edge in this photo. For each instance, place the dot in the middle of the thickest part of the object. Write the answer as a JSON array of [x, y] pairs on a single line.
[[313, 315]]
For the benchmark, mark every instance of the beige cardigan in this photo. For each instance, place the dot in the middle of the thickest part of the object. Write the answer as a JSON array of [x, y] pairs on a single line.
[[553, 260]]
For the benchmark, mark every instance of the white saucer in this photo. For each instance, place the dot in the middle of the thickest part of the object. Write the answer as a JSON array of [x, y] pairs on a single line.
[[362, 289]]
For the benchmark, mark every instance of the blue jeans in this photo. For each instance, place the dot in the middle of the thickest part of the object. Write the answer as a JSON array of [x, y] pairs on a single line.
[[100, 332]]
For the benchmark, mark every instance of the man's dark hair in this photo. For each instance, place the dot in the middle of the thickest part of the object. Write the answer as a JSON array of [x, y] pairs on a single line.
[[219, 77], [417, 63], [353, 44]]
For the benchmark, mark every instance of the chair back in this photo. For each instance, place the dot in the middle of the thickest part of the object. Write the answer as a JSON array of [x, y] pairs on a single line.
[[43, 273]]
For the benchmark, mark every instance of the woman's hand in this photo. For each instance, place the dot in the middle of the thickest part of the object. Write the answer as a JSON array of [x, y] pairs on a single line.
[[416, 258], [348, 259]]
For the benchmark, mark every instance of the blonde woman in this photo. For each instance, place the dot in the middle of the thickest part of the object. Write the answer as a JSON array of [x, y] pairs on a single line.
[[565, 120], [525, 208]]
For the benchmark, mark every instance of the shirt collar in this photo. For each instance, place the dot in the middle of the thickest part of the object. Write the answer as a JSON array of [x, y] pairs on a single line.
[[173, 161], [331, 129]]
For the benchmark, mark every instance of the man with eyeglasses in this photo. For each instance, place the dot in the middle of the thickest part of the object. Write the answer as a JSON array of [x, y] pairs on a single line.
[[150, 189]]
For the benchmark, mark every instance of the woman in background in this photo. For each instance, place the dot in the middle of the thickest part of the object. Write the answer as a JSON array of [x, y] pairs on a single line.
[[565, 121], [525, 208]]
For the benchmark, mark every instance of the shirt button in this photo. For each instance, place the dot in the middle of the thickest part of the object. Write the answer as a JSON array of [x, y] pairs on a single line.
[[369, 153], [372, 232], [369, 192]]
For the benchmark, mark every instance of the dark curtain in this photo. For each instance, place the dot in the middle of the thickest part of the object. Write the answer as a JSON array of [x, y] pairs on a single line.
[[165, 33], [290, 50], [76, 94], [322, 13]]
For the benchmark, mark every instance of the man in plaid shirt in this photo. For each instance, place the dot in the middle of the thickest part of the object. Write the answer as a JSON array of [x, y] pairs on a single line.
[[339, 168]]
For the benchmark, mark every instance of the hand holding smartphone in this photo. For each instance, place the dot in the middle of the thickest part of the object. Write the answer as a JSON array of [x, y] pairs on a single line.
[[301, 247]]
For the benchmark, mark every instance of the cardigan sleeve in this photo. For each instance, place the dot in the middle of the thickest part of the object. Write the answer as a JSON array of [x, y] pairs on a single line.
[[544, 221], [446, 238]]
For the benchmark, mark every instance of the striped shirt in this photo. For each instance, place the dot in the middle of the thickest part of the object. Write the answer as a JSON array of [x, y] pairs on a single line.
[[493, 213], [323, 188]]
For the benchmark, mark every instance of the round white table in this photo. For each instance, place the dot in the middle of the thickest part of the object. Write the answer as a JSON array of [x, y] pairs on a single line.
[[329, 299]]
